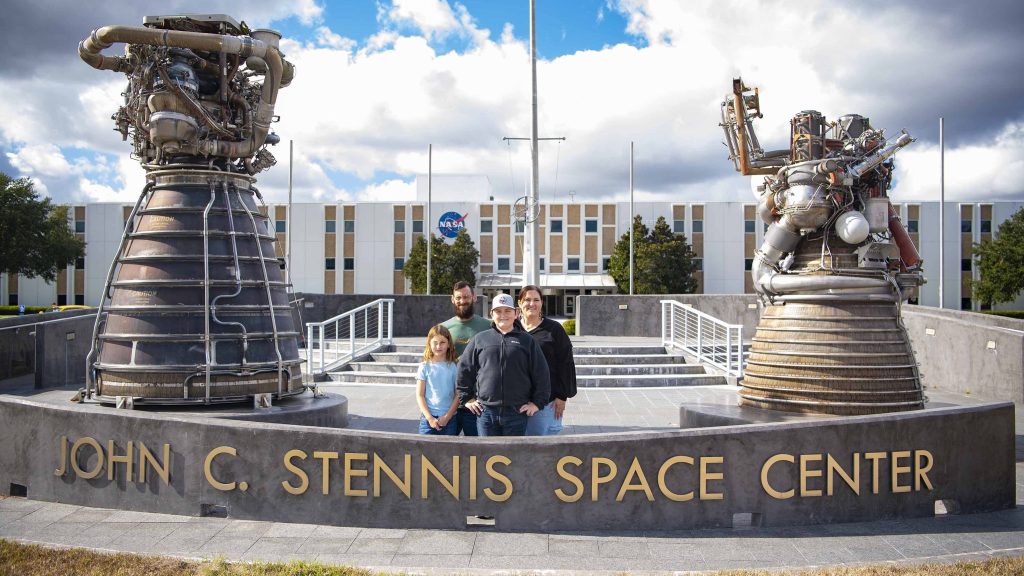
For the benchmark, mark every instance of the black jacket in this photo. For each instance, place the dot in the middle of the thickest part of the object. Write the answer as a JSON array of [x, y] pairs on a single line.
[[557, 348], [503, 370]]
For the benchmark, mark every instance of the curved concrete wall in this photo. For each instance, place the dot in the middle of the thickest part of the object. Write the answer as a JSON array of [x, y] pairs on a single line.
[[892, 466]]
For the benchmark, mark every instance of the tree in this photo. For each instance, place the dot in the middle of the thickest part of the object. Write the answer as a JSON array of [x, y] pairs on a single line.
[[449, 263], [1001, 263], [34, 236], [663, 261]]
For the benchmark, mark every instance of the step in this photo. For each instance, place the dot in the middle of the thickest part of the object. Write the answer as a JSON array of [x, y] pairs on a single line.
[[583, 349], [596, 359], [602, 381], [581, 370]]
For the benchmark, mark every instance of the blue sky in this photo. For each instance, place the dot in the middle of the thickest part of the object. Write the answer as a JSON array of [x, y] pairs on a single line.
[[380, 80]]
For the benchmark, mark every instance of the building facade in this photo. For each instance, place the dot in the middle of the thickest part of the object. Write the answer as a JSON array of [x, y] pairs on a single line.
[[361, 247]]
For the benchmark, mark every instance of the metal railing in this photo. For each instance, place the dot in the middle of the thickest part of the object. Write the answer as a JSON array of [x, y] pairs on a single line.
[[339, 340], [706, 337]]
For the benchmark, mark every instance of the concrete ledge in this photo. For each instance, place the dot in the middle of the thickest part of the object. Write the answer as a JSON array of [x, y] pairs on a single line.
[[772, 474]]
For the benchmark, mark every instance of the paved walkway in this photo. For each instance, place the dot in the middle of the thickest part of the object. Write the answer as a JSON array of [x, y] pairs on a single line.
[[484, 550]]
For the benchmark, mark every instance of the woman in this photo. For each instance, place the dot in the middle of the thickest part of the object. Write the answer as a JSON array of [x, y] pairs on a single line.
[[557, 349]]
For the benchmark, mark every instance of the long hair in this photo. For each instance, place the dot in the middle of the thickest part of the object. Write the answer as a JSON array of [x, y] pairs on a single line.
[[528, 288], [443, 332]]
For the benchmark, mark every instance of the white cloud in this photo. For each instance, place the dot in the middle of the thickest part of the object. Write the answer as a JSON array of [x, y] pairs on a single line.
[[434, 18], [388, 191], [40, 160], [326, 38]]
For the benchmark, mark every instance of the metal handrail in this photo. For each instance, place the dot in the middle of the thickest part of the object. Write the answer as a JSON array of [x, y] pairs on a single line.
[[339, 340], [711, 340]]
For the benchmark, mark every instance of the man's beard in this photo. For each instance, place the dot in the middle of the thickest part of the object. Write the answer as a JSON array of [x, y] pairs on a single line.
[[463, 311]]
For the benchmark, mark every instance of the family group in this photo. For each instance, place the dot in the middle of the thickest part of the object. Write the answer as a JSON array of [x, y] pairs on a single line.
[[507, 376]]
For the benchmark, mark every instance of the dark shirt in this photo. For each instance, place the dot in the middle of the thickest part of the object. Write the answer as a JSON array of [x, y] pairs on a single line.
[[557, 349]]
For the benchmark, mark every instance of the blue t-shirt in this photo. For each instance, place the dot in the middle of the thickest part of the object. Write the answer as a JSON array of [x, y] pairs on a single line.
[[440, 385]]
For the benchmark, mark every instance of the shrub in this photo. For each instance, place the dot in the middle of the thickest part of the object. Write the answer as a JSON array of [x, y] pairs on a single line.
[[570, 327], [1018, 314], [13, 310]]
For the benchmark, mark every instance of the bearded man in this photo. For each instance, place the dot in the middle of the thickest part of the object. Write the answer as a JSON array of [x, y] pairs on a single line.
[[463, 326]]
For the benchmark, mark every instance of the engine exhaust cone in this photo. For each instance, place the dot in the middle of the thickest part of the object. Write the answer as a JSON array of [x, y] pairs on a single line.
[[198, 311]]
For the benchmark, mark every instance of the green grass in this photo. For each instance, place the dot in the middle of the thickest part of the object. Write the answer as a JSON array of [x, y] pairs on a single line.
[[32, 560]]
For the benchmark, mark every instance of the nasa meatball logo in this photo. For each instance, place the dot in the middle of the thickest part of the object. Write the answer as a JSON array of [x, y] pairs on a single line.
[[450, 223]]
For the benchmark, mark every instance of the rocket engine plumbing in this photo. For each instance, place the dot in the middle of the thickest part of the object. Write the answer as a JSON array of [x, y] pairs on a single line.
[[833, 269], [195, 308]]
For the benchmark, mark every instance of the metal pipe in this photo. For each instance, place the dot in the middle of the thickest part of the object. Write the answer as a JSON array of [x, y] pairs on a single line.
[[206, 286]]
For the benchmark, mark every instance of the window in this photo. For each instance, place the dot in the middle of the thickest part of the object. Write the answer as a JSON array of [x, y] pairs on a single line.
[[399, 226], [679, 226], [574, 265], [965, 265], [986, 226], [79, 226], [503, 264], [80, 263], [330, 226], [486, 226], [350, 263], [329, 264], [965, 226], [350, 226], [12, 300], [279, 227], [520, 226], [62, 299], [79, 299], [591, 225], [399, 263], [698, 264], [606, 262], [965, 303], [748, 264], [556, 226], [698, 226], [912, 226], [541, 262], [748, 227], [417, 226]]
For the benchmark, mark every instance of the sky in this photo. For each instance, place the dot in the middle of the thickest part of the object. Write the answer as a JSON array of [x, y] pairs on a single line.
[[377, 82]]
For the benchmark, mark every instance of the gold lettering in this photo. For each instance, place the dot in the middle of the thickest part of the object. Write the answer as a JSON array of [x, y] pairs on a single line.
[[806, 473], [596, 479], [112, 459], [560, 469], [325, 469], [921, 474], [853, 481], [472, 477], [661, 478], [62, 463], [86, 441], [635, 470], [764, 477], [706, 476], [147, 459], [303, 478], [897, 470], [350, 472], [875, 457], [426, 466], [207, 466], [494, 474], [405, 484]]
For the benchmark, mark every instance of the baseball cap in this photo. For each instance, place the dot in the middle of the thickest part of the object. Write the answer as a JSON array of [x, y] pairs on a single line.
[[503, 301]]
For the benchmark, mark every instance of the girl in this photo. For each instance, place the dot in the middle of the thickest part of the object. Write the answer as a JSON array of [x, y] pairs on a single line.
[[435, 384]]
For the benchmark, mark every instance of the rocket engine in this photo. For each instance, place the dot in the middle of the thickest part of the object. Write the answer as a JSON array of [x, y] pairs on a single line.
[[195, 308], [834, 267]]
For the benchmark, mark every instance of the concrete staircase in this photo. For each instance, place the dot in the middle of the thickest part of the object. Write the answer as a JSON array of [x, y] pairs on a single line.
[[597, 366]]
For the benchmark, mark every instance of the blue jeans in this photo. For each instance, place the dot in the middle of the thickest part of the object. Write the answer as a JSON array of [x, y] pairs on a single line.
[[447, 430], [465, 422], [543, 423], [501, 421]]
